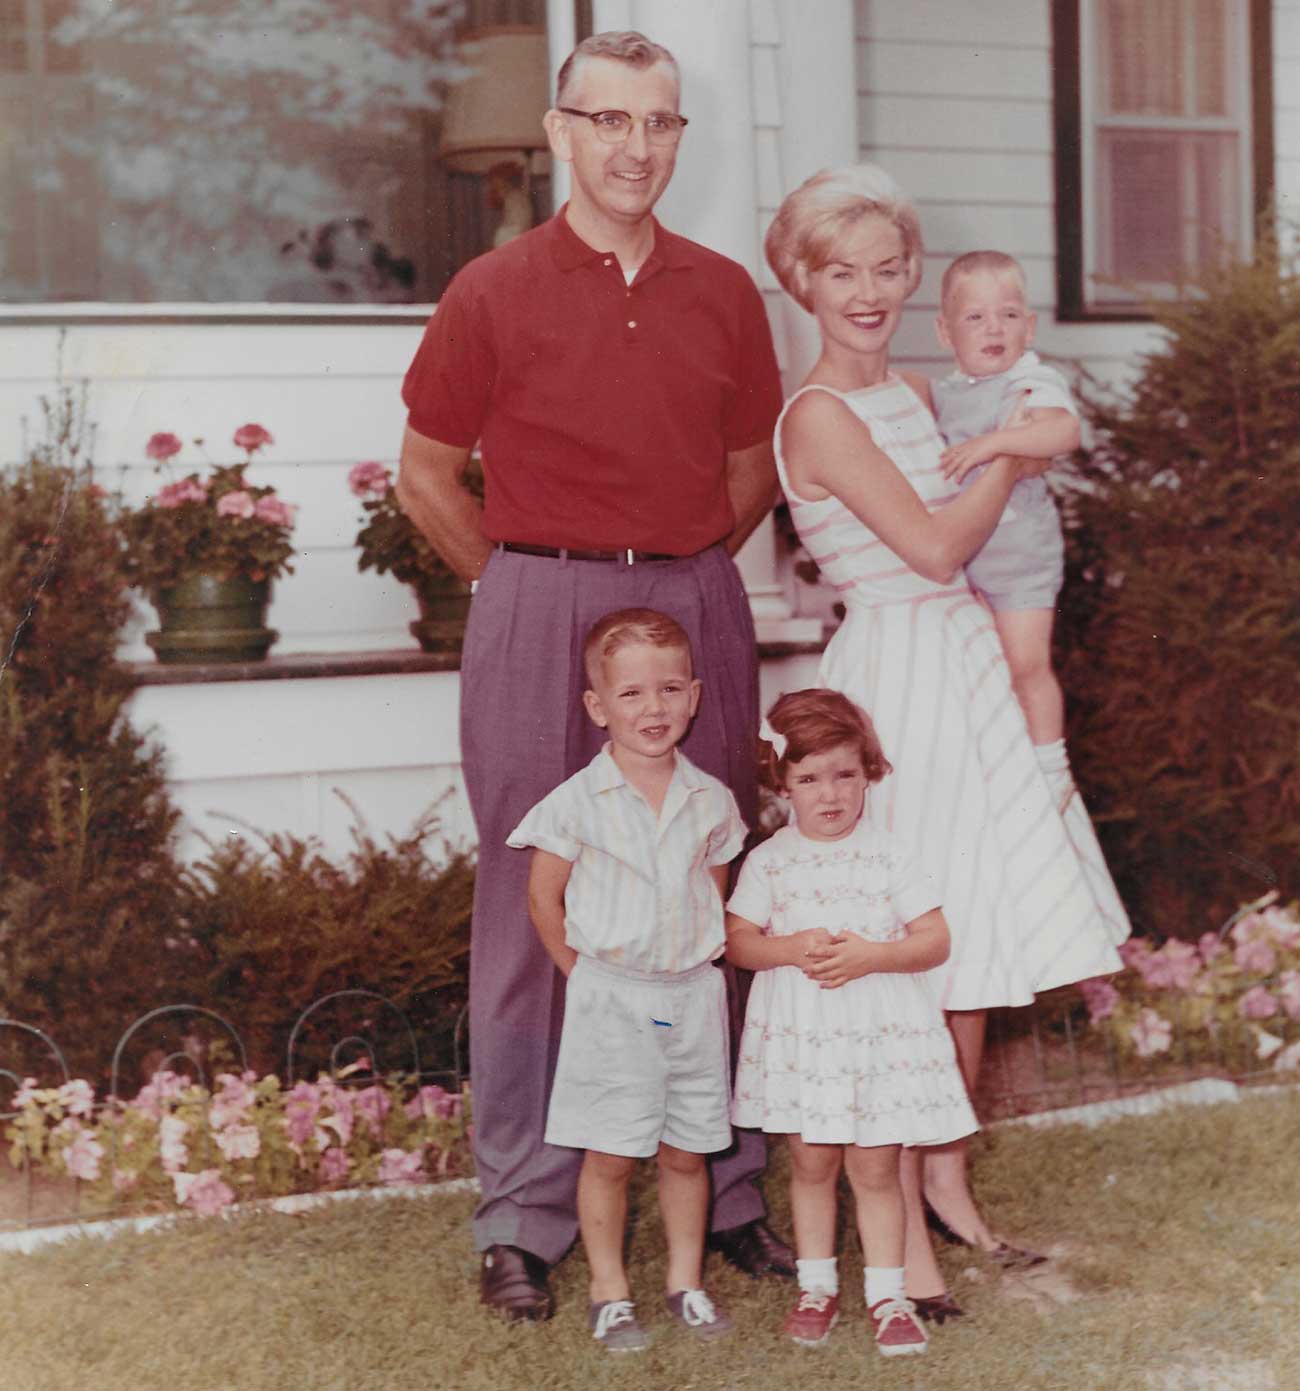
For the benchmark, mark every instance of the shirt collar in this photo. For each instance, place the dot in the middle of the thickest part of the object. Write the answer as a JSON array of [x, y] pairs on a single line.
[[606, 774], [1029, 358], [569, 251]]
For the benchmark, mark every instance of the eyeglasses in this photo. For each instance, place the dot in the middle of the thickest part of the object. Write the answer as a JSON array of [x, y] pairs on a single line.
[[613, 127]]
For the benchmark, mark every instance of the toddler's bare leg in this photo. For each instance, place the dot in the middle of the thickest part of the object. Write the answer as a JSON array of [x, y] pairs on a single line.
[[684, 1205], [814, 1180], [1027, 641], [602, 1220], [878, 1197]]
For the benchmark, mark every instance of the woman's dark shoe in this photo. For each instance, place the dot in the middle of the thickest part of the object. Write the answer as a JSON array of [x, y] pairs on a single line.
[[938, 1308], [1015, 1257], [754, 1249], [1007, 1256], [513, 1282]]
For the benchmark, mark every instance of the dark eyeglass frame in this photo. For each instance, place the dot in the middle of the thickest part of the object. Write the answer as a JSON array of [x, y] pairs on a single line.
[[676, 124]]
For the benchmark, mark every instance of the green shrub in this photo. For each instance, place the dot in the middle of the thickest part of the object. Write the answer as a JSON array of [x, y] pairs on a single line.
[[1181, 640], [279, 928], [88, 884]]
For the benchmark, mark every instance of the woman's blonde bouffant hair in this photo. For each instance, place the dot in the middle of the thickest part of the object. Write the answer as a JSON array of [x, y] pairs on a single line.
[[813, 219]]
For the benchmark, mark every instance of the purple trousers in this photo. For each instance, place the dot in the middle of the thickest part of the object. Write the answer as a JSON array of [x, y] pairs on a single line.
[[523, 731]]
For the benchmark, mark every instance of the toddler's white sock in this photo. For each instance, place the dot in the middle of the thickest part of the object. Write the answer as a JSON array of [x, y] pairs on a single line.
[[882, 1282], [819, 1275], [1055, 765]]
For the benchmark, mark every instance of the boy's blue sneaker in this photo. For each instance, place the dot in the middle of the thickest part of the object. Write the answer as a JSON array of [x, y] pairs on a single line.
[[613, 1325], [694, 1310]]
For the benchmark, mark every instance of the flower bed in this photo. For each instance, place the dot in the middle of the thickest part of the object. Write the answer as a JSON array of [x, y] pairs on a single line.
[[1232, 998], [178, 1145]]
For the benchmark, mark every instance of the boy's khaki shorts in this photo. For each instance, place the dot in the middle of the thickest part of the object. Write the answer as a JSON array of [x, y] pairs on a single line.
[[643, 1059]]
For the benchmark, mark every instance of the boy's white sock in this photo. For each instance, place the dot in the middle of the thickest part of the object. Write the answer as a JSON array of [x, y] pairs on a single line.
[[882, 1282], [819, 1275], [1054, 763]]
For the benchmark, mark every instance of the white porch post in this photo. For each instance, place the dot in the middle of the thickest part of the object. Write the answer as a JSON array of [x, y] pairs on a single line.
[[713, 197]]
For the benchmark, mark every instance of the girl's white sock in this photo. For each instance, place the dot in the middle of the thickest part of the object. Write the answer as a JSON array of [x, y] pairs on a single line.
[[1054, 763], [819, 1275], [882, 1282]]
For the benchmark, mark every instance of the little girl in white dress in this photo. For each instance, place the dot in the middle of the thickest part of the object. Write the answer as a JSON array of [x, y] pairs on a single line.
[[844, 1048]]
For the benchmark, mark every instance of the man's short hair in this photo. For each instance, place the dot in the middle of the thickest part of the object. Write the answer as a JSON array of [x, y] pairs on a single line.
[[625, 627], [620, 45], [972, 263], [813, 219]]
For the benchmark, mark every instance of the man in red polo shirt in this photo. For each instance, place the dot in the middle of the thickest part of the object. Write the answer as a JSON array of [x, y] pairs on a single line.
[[623, 388]]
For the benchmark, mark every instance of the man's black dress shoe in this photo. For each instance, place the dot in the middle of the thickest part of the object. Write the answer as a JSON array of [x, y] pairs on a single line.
[[754, 1249], [513, 1282]]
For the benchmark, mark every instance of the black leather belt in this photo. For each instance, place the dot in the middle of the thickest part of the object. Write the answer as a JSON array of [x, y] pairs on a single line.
[[627, 557]]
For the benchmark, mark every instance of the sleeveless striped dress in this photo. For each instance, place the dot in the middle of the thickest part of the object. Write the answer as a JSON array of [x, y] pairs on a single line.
[[1026, 893]]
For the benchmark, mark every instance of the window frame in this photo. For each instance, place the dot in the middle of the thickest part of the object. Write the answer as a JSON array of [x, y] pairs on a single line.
[[1068, 48]]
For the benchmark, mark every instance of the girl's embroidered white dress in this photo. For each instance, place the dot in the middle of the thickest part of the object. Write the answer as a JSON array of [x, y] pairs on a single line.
[[870, 1062], [1027, 896]]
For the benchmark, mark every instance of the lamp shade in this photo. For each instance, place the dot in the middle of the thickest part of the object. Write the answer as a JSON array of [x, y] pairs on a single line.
[[496, 110]]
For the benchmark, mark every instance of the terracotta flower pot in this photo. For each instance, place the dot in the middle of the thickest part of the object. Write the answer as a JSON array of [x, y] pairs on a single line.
[[444, 608], [208, 619]]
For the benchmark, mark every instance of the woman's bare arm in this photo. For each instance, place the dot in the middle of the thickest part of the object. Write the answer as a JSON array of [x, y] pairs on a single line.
[[829, 451]]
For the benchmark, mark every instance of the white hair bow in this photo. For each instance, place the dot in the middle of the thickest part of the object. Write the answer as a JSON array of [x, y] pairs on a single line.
[[777, 741]]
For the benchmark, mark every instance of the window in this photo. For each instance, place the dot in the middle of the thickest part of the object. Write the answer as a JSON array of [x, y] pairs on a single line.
[[236, 151], [1163, 143]]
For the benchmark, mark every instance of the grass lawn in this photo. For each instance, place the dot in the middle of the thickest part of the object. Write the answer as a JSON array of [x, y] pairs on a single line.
[[1177, 1271]]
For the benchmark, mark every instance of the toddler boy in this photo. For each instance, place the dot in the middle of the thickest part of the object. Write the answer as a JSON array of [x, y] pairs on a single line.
[[625, 890], [1003, 400]]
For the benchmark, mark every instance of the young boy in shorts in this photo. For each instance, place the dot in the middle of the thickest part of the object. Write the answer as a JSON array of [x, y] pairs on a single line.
[[1003, 400], [626, 890]]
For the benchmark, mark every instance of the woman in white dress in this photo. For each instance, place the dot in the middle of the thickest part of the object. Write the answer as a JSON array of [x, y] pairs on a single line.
[[1024, 889]]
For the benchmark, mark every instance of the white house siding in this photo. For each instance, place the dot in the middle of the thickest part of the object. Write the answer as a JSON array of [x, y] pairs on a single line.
[[955, 100]]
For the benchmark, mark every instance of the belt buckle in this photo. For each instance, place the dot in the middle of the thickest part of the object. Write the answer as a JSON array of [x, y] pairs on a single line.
[[631, 556]]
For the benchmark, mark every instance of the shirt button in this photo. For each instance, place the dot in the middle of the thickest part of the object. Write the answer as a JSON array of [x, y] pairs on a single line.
[[609, 261], [631, 323]]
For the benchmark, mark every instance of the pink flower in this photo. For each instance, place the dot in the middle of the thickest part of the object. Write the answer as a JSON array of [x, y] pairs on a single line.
[[1100, 996], [178, 494], [163, 1086], [370, 479], [239, 1142], [1151, 1034], [1257, 1003], [333, 1165], [83, 1153], [77, 1097], [1285, 928], [233, 1101], [300, 1108], [204, 1192], [1134, 952], [124, 1180], [1289, 993], [162, 446], [396, 1166], [1174, 967], [252, 438], [372, 1106], [236, 504], [26, 1092], [1255, 956], [344, 1117], [1210, 946], [1250, 928], [171, 1147], [271, 509]]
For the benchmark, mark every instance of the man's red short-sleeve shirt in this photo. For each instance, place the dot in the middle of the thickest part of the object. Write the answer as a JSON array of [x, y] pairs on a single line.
[[604, 413]]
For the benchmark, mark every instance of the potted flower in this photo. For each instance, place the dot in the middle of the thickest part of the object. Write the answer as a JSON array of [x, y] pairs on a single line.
[[392, 544], [205, 551]]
